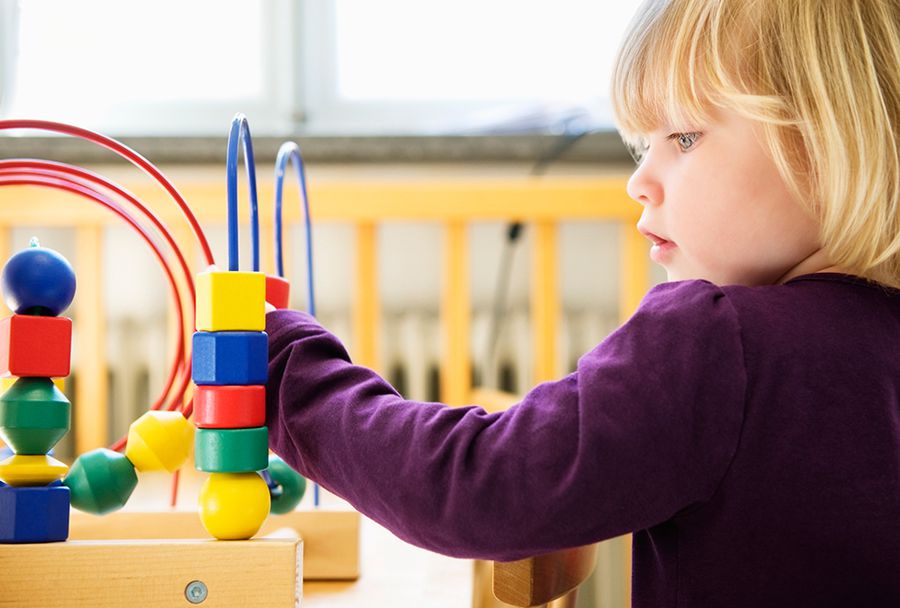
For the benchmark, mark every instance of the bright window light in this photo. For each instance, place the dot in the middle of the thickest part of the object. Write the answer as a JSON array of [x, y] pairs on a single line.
[[139, 67], [342, 67], [475, 50], [468, 66]]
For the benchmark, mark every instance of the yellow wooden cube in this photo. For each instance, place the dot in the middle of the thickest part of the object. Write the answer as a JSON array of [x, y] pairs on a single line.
[[31, 470], [231, 301]]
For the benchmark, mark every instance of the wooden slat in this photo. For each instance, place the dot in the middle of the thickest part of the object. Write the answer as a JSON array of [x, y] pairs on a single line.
[[455, 317], [266, 247], [493, 400], [184, 237], [5, 253], [288, 260], [89, 411], [330, 538], [549, 199], [635, 270], [626, 565], [365, 297], [151, 573], [545, 303]]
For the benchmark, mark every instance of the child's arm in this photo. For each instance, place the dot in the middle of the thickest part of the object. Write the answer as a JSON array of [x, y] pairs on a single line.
[[646, 427]]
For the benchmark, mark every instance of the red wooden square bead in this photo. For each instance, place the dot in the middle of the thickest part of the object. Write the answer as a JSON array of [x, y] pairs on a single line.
[[230, 407], [35, 346]]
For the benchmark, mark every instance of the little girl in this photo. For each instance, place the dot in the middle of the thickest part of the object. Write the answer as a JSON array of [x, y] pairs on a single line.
[[744, 424]]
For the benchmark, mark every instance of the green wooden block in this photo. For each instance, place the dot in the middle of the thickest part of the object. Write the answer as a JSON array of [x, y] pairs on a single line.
[[34, 416], [231, 450]]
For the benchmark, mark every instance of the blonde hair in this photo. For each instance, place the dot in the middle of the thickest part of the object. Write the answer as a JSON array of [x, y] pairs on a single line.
[[822, 76]]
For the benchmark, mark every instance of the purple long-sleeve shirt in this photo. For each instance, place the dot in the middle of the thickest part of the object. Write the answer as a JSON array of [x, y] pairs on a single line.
[[749, 437]]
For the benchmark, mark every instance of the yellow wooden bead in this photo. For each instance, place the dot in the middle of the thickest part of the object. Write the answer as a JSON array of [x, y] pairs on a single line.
[[159, 441], [28, 470], [233, 506], [7, 382], [231, 301]]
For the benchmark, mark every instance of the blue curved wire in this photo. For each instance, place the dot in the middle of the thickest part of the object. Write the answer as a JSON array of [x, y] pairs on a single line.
[[240, 133], [291, 151]]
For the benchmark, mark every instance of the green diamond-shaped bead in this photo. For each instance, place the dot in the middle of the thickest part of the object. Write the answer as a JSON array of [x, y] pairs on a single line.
[[34, 416], [101, 481]]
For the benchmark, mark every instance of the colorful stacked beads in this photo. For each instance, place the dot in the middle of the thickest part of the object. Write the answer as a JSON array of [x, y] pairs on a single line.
[[229, 363], [35, 346]]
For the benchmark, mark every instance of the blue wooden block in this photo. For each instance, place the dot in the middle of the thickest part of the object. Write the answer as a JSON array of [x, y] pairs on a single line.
[[230, 357], [34, 514]]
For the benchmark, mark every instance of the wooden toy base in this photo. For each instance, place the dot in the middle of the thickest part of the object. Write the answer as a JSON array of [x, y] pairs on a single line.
[[330, 537], [259, 573]]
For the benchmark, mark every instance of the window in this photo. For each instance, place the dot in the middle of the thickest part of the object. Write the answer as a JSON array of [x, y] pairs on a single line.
[[163, 67], [467, 65], [319, 66]]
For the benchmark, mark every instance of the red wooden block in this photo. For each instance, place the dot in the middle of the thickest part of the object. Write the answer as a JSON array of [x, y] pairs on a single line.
[[35, 346], [278, 292], [230, 407]]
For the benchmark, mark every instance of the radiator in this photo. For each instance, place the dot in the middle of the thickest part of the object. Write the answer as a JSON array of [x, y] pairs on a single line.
[[140, 351]]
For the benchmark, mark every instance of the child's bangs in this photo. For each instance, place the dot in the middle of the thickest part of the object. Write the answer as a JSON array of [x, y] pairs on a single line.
[[669, 69]]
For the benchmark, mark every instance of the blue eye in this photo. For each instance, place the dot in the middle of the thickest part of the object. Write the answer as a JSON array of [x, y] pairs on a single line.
[[686, 141]]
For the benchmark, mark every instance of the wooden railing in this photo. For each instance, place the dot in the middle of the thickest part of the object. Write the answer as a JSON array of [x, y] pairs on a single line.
[[455, 204]]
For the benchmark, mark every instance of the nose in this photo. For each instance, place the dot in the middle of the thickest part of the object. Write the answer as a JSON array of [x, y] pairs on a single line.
[[643, 186]]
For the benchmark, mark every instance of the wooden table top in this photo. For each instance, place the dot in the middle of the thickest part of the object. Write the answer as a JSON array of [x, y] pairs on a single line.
[[394, 573]]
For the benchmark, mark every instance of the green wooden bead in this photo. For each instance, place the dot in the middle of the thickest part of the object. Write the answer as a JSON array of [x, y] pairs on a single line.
[[231, 450], [34, 416], [291, 486], [101, 481]]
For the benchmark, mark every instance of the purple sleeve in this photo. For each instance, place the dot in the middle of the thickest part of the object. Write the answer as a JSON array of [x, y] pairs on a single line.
[[646, 426]]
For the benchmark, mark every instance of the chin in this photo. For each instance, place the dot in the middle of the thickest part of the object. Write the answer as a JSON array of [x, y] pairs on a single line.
[[674, 275]]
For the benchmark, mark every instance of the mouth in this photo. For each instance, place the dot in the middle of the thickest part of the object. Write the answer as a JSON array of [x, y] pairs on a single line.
[[654, 238], [662, 250]]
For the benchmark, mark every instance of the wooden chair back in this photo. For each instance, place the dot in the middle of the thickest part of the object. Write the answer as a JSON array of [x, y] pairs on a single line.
[[552, 578]]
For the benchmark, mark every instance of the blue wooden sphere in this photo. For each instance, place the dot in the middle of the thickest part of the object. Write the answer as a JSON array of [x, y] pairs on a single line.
[[38, 280]]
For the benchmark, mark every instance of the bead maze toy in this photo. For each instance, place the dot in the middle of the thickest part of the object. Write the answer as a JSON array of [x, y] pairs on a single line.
[[39, 284], [224, 422]]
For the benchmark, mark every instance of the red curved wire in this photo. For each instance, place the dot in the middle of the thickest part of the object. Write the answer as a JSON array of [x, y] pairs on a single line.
[[9, 178], [145, 165], [49, 168], [124, 151]]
